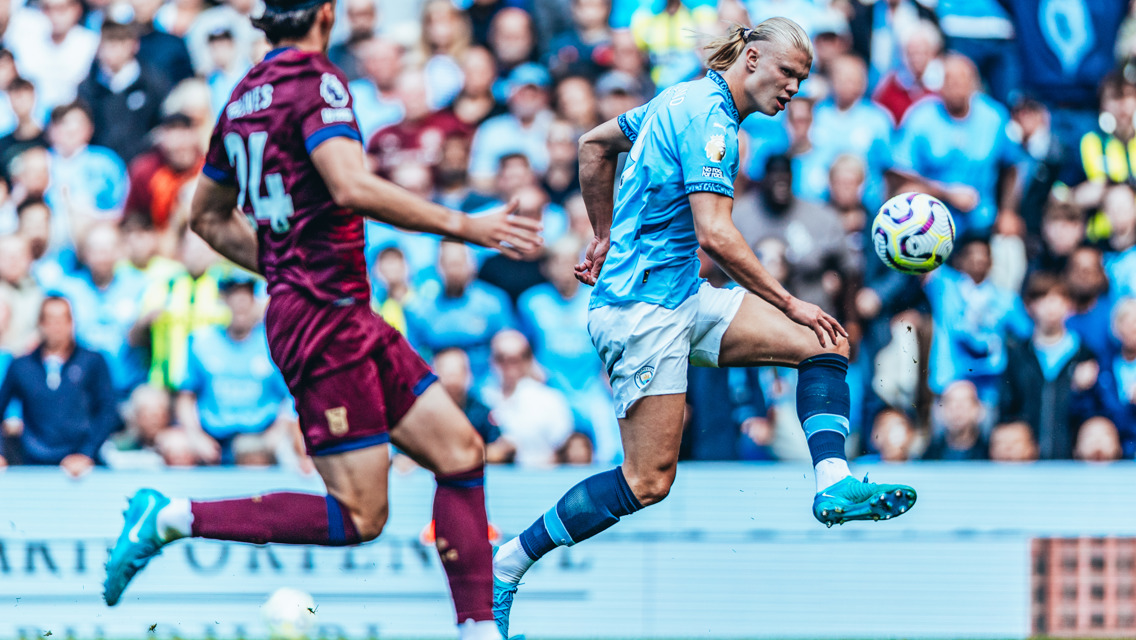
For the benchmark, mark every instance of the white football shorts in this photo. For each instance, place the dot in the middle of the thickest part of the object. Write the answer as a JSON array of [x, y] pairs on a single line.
[[646, 348]]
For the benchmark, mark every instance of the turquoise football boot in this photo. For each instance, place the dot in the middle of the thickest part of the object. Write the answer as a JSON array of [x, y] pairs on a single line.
[[850, 499], [503, 593], [138, 543]]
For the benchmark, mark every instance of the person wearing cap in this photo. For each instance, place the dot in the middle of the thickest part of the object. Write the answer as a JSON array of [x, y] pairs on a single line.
[[231, 386], [618, 92], [158, 176], [524, 129], [161, 46]]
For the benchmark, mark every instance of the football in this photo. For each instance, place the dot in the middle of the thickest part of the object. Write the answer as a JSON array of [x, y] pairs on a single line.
[[290, 614], [913, 233]]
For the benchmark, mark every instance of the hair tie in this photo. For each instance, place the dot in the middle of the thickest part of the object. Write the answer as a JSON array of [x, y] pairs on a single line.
[[746, 33]]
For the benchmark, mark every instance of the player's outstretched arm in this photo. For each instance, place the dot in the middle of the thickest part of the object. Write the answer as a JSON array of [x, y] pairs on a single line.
[[213, 215], [339, 161], [722, 241], [599, 154]]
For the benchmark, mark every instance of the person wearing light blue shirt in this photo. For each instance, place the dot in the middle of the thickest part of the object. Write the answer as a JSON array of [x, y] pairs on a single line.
[[523, 130], [973, 319], [458, 311], [651, 314], [106, 302], [85, 179], [955, 144], [846, 123], [231, 386]]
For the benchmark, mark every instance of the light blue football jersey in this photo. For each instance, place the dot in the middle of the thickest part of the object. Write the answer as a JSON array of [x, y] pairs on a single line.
[[684, 141]]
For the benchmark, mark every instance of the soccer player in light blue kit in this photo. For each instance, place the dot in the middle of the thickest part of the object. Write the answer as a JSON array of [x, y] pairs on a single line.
[[650, 314]]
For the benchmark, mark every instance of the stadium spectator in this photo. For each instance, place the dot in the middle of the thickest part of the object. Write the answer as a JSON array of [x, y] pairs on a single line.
[[233, 14], [374, 92], [576, 450], [562, 178], [1085, 280], [920, 75], [665, 37], [66, 393], [158, 176], [444, 42], [532, 416], [1063, 65], [175, 18], [28, 130], [390, 283], [959, 425], [20, 293], [228, 68], [452, 368], [893, 436], [458, 311], [512, 40], [630, 59], [812, 233], [105, 302], [451, 177], [1062, 231], [972, 320], [524, 129], [362, 24], [231, 386], [1050, 379], [1098, 441], [11, 420], [173, 308], [124, 95], [618, 92], [55, 57], [419, 136], [554, 317], [1120, 248], [576, 103], [34, 226], [955, 145], [981, 30], [476, 103], [832, 38], [846, 122], [1104, 155], [1118, 376], [162, 46], [86, 179], [514, 277], [727, 416], [147, 416], [176, 448], [1013, 442], [586, 49]]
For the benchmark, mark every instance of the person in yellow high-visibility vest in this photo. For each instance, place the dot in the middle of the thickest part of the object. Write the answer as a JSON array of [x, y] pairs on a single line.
[[1108, 155], [174, 308]]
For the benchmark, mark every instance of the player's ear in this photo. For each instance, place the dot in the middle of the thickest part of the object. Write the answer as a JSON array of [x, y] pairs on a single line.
[[752, 56]]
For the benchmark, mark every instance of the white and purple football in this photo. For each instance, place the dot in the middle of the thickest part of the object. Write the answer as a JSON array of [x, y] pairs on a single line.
[[913, 233]]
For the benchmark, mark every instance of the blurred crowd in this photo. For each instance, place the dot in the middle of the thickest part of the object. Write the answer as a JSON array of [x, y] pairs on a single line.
[[126, 341]]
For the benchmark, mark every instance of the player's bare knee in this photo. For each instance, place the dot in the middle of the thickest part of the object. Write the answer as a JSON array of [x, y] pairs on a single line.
[[651, 488], [841, 348], [370, 525]]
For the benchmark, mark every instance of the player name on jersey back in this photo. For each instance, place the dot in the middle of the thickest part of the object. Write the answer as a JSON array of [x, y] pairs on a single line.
[[256, 99]]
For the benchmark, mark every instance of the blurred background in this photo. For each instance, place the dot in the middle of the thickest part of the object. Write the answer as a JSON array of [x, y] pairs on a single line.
[[1013, 369]]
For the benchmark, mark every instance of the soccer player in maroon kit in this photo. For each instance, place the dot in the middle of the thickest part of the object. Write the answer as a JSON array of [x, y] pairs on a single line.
[[286, 155]]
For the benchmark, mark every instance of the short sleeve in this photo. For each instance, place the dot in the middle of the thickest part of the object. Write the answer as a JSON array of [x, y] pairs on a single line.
[[324, 108], [217, 167], [709, 151], [631, 121]]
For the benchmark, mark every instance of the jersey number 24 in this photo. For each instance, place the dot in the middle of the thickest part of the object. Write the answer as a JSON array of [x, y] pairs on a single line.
[[276, 207]]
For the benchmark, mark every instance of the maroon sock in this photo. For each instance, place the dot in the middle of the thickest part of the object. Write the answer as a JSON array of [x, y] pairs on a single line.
[[289, 518], [461, 532]]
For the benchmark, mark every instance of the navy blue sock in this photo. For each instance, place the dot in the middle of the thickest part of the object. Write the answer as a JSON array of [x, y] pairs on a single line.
[[587, 509], [823, 404]]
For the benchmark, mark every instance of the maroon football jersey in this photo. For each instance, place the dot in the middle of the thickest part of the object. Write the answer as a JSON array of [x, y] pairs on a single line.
[[277, 115]]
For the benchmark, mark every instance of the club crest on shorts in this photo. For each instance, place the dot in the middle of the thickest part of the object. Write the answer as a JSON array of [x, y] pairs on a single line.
[[332, 90], [716, 148], [336, 420], [644, 376]]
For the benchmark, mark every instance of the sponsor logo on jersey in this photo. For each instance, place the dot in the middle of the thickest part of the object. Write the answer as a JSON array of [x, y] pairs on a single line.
[[644, 376], [332, 90], [716, 147], [712, 172], [337, 115]]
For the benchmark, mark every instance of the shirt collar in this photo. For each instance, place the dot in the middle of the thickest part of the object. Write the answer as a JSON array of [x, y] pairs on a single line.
[[721, 82], [275, 52]]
